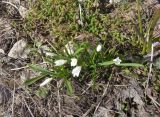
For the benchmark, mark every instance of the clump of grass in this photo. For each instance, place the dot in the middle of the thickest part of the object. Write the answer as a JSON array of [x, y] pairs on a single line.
[[68, 19], [77, 60], [63, 19], [146, 37]]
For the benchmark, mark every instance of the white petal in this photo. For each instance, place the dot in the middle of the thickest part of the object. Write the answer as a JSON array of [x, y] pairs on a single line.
[[76, 71], [114, 1], [117, 61], [50, 54], [60, 62], [73, 61], [69, 48], [99, 48], [45, 82]]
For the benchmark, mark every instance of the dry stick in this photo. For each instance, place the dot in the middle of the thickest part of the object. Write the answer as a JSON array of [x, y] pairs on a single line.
[[91, 83], [13, 97], [10, 4], [86, 90], [59, 103], [98, 103], [104, 93], [155, 54], [88, 111], [149, 77], [15, 69], [157, 105], [120, 85], [150, 69], [33, 100], [28, 107], [59, 83]]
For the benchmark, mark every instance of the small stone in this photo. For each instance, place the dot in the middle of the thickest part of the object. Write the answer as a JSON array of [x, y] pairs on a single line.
[[23, 11], [2, 51], [102, 112], [18, 49]]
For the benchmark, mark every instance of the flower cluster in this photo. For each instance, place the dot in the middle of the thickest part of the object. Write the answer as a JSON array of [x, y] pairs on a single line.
[[75, 71], [69, 49]]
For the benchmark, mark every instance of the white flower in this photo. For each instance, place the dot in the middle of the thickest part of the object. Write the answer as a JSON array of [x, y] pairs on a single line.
[[114, 1], [69, 48], [50, 54], [60, 62], [117, 61], [45, 82], [99, 48], [76, 71], [73, 61]]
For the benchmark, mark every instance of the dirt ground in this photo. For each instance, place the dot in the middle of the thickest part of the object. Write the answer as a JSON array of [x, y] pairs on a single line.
[[123, 96]]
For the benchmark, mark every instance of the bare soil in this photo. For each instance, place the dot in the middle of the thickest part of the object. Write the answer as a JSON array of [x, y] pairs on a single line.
[[122, 96]]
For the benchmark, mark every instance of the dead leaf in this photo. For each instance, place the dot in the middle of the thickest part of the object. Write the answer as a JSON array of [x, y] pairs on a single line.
[[102, 112]]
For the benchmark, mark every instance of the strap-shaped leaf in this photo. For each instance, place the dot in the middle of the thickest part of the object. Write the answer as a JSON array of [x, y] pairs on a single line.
[[40, 69], [107, 63], [130, 65], [69, 87], [152, 24], [33, 80]]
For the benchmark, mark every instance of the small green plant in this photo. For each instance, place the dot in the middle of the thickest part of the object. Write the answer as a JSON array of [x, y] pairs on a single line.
[[67, 20], [76, 60], [146, 37]]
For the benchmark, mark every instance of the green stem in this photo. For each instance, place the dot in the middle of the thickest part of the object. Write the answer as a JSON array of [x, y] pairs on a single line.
[[139, 17], [94, 55], [144, 47], [142, 39]]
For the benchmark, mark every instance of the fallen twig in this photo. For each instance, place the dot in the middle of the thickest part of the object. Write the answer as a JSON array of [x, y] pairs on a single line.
[[13, 98], [97, 104], [24, 67], [104, 93], [59, 83], [28, 107], [11, 4]]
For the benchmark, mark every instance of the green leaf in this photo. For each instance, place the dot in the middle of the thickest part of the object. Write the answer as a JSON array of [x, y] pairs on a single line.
[[156, 39], [130, 65], [40, 69], [153, 23], [78, 51], [42, 92], [69, 87], [33, 80], [157, 63], [107, 63]]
